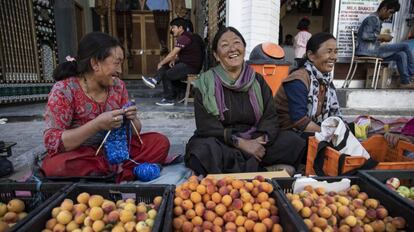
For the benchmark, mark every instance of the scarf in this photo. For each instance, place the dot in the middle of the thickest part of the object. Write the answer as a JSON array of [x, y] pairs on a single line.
[[330, 106], [211, 85]]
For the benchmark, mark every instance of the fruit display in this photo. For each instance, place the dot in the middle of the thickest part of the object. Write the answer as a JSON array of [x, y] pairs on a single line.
[[349, 210], [225, 205], [94, 213], [11, 213], [405, 191]]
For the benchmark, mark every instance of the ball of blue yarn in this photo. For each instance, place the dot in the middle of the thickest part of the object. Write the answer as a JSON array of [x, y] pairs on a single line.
[[147, 172]]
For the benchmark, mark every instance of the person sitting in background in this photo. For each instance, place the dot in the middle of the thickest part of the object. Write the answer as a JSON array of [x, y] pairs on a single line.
[[189, 50], [288, 48], [302, 37], [85, 102], [369, 41], [236, 120], [308, 96]]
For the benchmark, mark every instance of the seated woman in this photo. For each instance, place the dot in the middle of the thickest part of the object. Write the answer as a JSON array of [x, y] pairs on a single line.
[[407, 134], [84, 104], [307, 96], [236, 120]]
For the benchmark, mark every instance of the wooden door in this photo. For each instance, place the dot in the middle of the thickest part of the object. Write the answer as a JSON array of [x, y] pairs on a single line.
[[145, 45]]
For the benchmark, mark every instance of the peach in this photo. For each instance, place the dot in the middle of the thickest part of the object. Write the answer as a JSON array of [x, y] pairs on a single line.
[[320, 191], [256, 207], [320, 202], [210, 205], [221, 183], [64, 217], [378, 225], [234, 193], [237, 204], [249, 224], [141, 207], [206, 198], [353, 192], [260, 178], [226, 200], [190, 214], [216, 197], [344, 228], [83, 198], [209, 215], [329, 199], [333, 208], [240, 220], [255, 191], [71, 226], [249, 186], [351, 221], [95, 201], [10, 217], [79, 208], [178, 210], [88, 221], [246, 197], [307, 202], [207, 225], [192, 186], [343, 200], [67, 204], [223, 190], [371, 203], [113, 217], [262, 197], [220, 209], [108, 206], [332, 220], [195, 197], [371, 214], [59, 228], [140, 216], [259, 227], [237, 184], [199, 209], [240, 229], [51, 223], [79, 218], [368, 228]]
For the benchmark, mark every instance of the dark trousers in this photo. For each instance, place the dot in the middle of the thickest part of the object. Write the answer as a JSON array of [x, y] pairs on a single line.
[[171, 78]]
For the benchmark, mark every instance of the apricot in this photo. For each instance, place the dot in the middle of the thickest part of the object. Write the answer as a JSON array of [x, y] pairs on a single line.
[[218, 221], [209, 215], [50, 223], [79, 218], [363, 196], [207, 225], [371, 214], [152, 213], [126, 216], [360, 213], [95, 201], [64, 217], [246, 197], [399, 222], [325, 212], [79, 208], [382, 212], [240, 220], [368, 228], [184, 194], [351, 220], [190, 214], [192, 186], [96, 213], [223, 190], [308, 223], [201, 189], [240, 229], [226, 200], [236, 204], [187, 204], [255, 192], [249, 224], [195, 197], [210, 205], [206, 198], [59, 228], [247, 207], [216, 197], [344, 228], [118, 229], [130, 226], [371, 203], [263, 213], [277, 228], [108, 206], [178, 210], [210, 188], [237, 184], [249, 186], [221, 183], [15, 205], [230, 226], [259, 227], [141, 208], [230, 216], [83, 198], [343, 211], [234, 193], [71, 226], [273, 210], [67, 204], [320, 222], [216, 229], [220, 209], [143, 216], [200, 209], [252, 215], [305, 212], [297, 204], [88, 221], [378, 225]]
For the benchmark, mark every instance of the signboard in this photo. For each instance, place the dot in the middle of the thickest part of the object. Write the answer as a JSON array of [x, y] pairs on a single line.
[[350, 15]]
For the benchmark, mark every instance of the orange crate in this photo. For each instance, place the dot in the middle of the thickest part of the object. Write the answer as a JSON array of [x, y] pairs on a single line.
[[388, 158]]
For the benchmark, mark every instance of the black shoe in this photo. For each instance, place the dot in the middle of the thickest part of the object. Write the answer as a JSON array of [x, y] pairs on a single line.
[[165, 102], [149, 81]]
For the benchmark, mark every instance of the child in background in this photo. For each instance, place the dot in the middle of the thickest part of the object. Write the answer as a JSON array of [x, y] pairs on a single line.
[[302, 37]]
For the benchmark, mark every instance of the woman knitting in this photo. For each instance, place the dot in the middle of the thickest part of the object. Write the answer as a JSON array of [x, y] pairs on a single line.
[[86, 102]]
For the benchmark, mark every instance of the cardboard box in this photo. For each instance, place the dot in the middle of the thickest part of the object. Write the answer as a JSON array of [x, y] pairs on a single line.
[[251, 175]]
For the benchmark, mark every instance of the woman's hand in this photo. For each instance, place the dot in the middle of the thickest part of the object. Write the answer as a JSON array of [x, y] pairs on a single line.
[[131, 112], [254, 147], [110, 120]]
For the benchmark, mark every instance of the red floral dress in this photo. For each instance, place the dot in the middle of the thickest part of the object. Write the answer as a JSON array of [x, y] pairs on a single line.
[[68, 107]]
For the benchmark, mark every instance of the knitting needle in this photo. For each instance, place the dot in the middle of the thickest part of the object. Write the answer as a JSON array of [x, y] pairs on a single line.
[[136, 131], [104, 140]]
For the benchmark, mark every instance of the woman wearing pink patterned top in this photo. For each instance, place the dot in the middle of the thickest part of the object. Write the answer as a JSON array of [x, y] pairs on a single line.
[[87, 101], [301, 39]]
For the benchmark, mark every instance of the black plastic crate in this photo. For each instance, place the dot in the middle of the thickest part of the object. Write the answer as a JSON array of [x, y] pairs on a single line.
[[286, 217], [169, 214], [110, 178], [379, 177], [394, 207], [35, 197], [141, 193]]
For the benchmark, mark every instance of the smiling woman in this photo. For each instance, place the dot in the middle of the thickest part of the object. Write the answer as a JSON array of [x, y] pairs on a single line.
[[85, 103], [236, 120], [308, 95]]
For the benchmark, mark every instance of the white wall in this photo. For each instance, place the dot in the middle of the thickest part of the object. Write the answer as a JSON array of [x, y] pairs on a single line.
[[257, 21]]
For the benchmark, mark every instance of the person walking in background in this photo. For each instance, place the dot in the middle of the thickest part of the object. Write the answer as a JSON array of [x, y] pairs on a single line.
[[369, 41], [170, 70], [302, 37]]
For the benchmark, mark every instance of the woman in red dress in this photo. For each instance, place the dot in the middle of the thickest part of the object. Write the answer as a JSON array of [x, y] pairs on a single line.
[[84, 104]]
